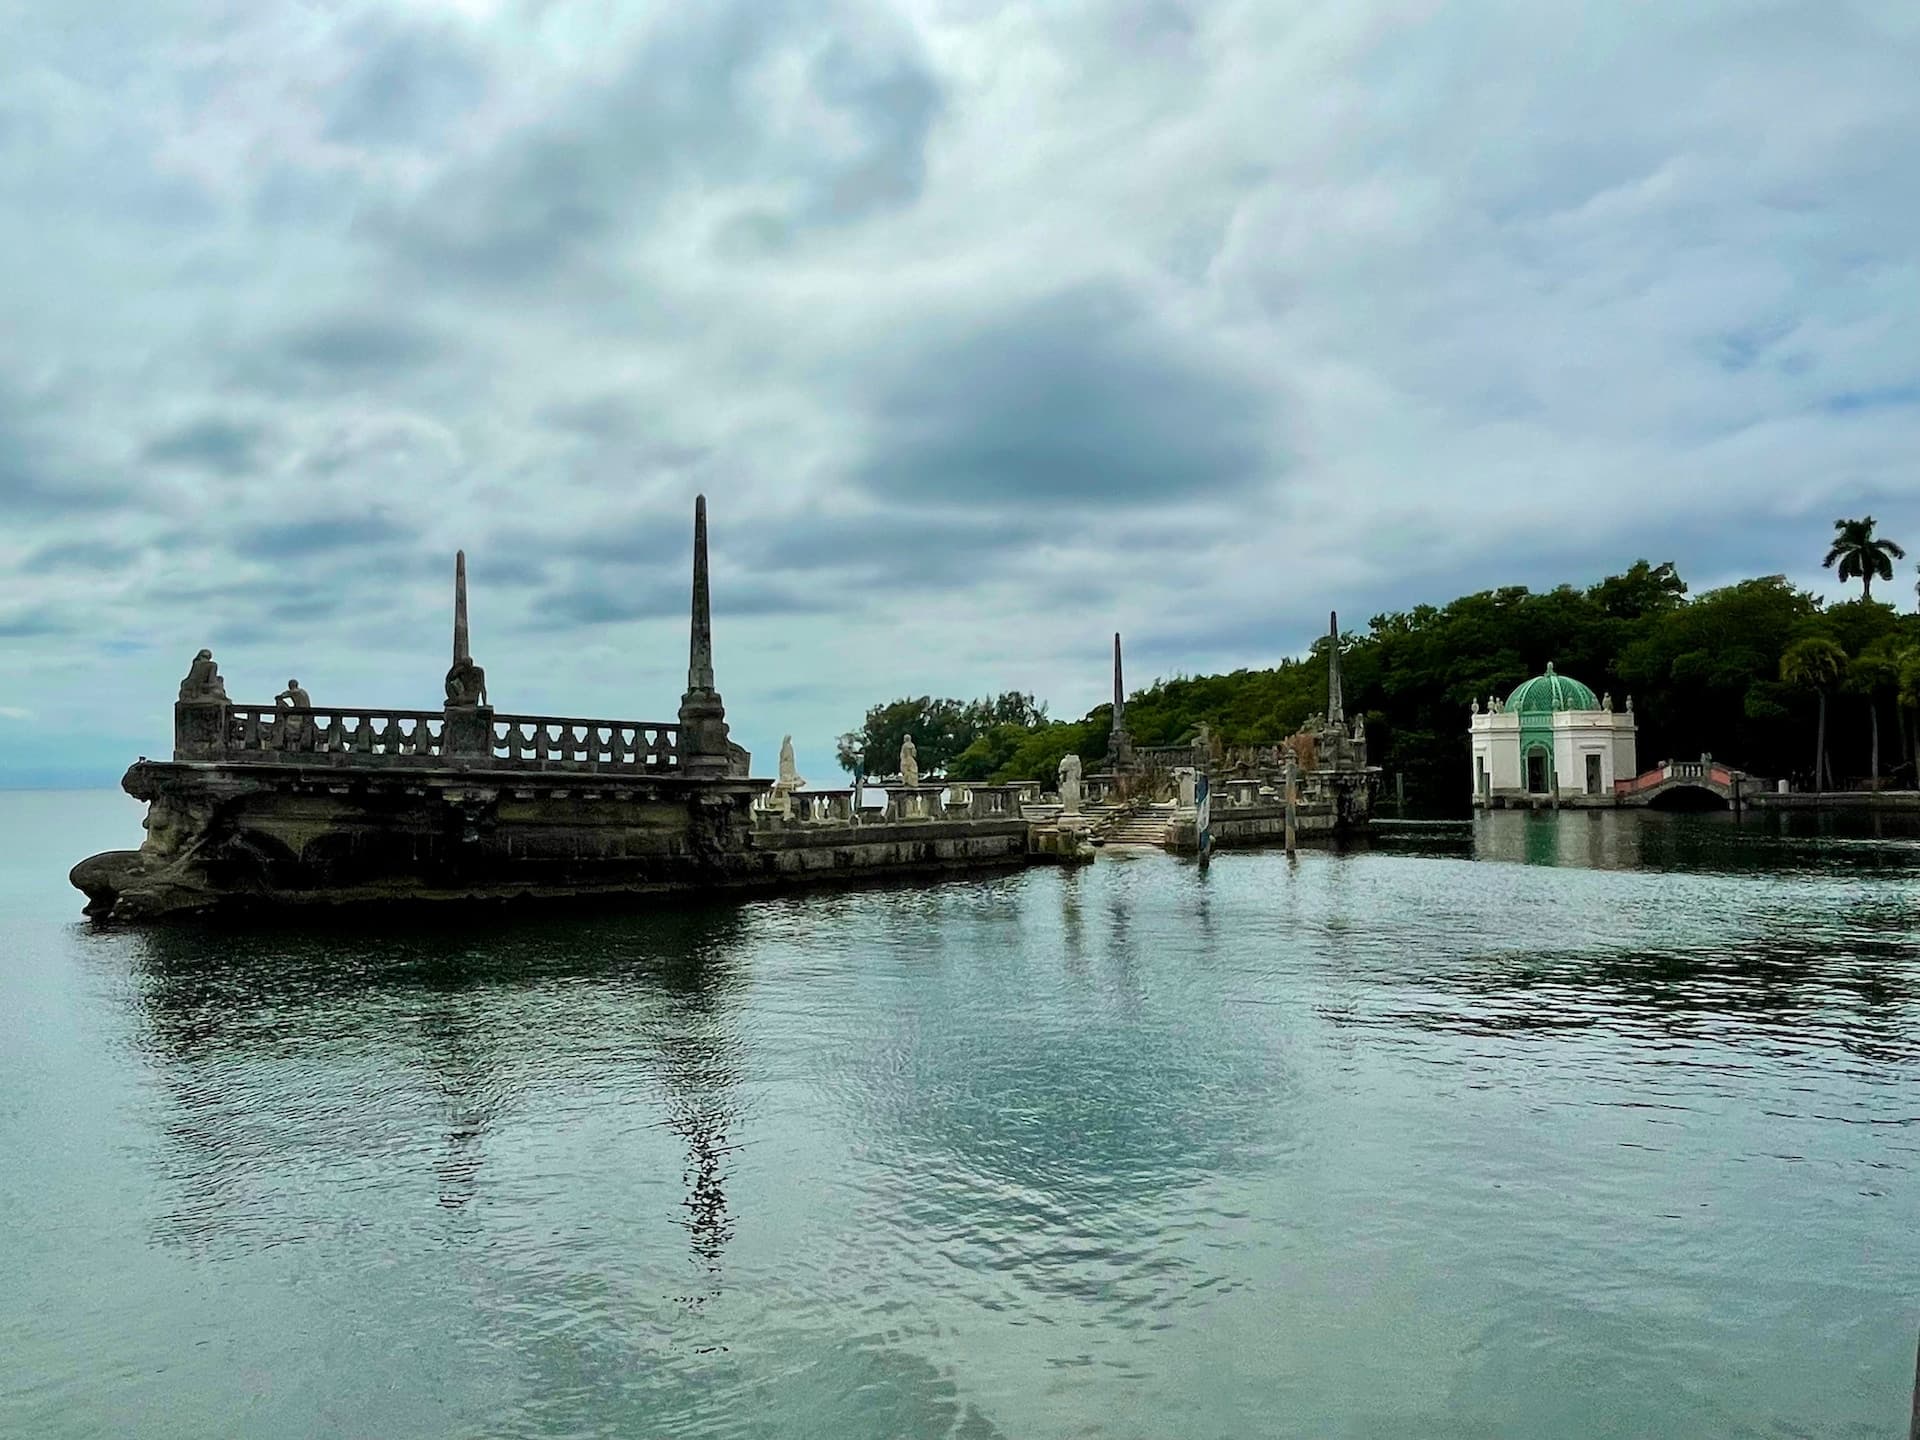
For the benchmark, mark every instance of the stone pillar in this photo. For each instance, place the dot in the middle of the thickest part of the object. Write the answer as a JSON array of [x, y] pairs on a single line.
[[703, 716], [461, 648], [1336, 696], [1119, 742], [199, 729], [468, 728]]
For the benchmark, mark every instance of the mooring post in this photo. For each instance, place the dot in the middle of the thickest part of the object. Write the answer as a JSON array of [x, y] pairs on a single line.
[[1290, 802], [1400, 794]]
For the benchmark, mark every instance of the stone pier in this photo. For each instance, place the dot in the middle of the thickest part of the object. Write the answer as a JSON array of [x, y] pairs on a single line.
[[265, 807]]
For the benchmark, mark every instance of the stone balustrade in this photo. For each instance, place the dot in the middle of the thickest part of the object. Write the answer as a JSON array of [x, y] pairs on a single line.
[[266, 734], [472, 738], [542, 742]]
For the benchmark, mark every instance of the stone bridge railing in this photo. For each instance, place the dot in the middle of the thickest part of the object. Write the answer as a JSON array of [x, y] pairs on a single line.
[[1691, 772], [954, 800], [349, 737]]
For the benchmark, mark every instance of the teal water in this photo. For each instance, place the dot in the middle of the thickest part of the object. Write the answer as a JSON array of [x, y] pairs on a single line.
[[1587, 1126]]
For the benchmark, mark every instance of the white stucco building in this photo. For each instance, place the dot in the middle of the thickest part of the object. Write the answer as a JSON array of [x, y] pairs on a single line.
[[1551, 742]]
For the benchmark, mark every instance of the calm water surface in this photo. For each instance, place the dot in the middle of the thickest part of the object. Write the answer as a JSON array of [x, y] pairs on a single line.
[[1600, 1126]]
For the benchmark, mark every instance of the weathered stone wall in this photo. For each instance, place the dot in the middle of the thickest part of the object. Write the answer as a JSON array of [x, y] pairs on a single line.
[[1254, 825], [224, 836]]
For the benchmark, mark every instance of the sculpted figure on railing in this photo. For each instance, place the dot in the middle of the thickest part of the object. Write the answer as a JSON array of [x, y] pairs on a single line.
[[909, 762], [466, 684], [203, 683]]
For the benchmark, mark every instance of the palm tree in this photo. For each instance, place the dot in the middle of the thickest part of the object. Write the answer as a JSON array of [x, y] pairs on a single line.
[[1875, 673], [1815, 664], [1861, 555]]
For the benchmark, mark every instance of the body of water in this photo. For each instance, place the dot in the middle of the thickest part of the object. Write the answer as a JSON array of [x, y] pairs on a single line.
[[1588, 1125]]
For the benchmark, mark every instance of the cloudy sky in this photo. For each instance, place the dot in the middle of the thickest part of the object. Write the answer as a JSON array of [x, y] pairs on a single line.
[[987, 330]]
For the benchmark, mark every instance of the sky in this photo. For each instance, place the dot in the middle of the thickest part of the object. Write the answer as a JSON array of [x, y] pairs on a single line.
[[987, 330]]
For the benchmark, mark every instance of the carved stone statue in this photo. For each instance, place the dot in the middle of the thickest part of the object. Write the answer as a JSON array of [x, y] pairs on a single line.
[[1629, 704], [203, 683], [789, 772], [466, 684], [1606, 701], [909, 762], [1070, 783], [293, 728], [1474, 705]]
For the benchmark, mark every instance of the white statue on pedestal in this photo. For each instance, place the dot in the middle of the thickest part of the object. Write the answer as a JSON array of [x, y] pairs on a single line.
[[1070, 783], [789, 773], [909, 762]]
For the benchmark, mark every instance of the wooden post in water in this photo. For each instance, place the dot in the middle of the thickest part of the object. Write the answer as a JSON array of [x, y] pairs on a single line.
[[1290, 802], [1400, 794]]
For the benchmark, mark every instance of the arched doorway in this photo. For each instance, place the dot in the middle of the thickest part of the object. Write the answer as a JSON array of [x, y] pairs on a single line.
[[1539, 767]]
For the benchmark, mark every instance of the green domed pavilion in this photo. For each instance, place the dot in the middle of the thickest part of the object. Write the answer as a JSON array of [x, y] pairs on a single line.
[[1551, 691], [1553, 742]]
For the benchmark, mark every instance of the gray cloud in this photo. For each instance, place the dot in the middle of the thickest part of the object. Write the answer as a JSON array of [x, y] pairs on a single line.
[[1081, 399], [697, 105], [406, 86], [79, 555], [357, 348], [222, 446], [321, 536], [985, 337]]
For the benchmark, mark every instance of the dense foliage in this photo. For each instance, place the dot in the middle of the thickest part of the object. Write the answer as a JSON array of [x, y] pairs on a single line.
[[1748, 672]]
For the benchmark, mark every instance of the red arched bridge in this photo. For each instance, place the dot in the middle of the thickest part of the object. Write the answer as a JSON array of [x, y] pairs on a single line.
[[1702, 783]]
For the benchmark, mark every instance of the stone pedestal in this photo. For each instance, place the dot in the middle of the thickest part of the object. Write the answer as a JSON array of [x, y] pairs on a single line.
[[199, 729], [704, 749], [469, 730]]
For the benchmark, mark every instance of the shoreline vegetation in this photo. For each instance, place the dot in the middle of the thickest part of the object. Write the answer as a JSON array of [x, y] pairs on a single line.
[[1760, 674]]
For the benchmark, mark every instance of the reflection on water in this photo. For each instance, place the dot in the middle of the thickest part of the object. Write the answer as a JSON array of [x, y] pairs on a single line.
[[1588, 1124], [296, 1038]]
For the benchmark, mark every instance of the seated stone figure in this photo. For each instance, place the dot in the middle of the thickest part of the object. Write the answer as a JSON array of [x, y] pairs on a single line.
[[466, 684], [203, 683], [293, 728]]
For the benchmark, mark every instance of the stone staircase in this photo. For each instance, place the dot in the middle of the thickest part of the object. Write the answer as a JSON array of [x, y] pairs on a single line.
[[1145, 826]]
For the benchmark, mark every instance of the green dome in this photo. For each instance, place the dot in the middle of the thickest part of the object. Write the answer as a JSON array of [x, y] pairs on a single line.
[[1551, 692]]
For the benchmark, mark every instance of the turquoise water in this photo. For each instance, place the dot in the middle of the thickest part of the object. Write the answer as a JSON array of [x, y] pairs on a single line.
[[1587, 1126]]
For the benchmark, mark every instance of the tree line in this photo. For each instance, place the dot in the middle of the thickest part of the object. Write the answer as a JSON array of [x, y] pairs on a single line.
[[1761, 674]]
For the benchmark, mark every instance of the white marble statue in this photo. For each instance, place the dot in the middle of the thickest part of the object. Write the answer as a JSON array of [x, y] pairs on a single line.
[[1606, 702], [1070, 783], [789, 773], [909, 762], [1475, 704]]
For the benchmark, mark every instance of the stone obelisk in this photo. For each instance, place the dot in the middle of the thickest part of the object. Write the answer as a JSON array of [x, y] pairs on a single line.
[[461, 649], [1336, 696], [1119, 742], [703, 717], [468, 723]]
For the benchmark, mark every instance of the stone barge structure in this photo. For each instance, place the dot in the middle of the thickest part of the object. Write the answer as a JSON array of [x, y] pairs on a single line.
[[297, 805]]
